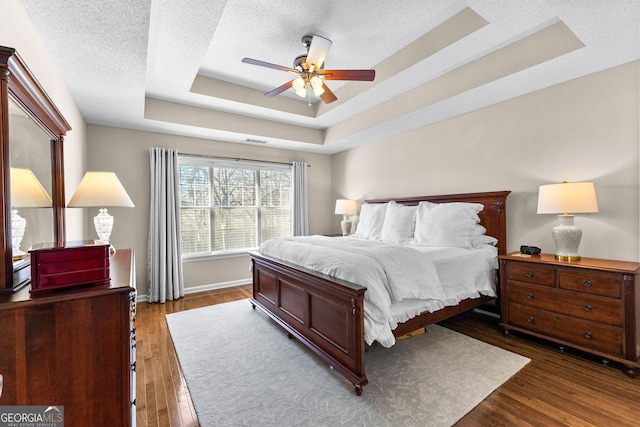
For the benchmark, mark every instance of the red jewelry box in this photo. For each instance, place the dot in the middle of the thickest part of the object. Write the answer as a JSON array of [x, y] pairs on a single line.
[[69, 264]]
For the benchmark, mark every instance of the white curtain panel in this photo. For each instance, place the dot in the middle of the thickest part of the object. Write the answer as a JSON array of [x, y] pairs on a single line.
[[300, 209], [165, 264]]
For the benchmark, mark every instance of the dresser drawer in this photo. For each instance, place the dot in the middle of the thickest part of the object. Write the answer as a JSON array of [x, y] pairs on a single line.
[[591, 335], [593, 282], [584, 306], [531, 273]]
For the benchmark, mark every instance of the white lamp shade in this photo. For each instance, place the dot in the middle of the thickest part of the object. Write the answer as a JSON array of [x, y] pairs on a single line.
[[568, 197], [26, 190], [346, 207], [98, 189]]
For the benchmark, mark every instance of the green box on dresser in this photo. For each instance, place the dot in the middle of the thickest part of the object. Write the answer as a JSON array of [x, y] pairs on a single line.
[[592, 305]]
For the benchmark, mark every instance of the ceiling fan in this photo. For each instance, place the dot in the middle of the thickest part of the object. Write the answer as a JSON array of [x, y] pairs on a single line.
[[310, 71]]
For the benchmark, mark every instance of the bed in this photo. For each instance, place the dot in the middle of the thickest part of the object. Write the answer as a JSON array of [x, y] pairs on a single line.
[[327, 313]]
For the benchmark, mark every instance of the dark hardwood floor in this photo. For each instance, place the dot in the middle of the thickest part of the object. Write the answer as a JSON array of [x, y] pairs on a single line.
[[555, 388], [162, 397]]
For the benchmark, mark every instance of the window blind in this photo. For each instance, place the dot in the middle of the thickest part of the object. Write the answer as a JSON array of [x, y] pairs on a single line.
[[231, 206]]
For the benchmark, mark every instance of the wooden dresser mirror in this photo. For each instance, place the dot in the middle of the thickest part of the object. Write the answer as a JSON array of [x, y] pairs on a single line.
[[32, 132]]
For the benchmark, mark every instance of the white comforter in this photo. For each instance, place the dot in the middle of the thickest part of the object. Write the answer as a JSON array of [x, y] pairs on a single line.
[[395, 275]]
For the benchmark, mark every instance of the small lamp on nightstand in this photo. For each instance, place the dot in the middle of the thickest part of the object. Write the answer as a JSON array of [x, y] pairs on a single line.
[[101, 189], [574, 197], [346, 207]]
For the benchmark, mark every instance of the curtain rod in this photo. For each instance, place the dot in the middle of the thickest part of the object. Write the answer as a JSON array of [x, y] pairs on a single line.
[[237, 159]]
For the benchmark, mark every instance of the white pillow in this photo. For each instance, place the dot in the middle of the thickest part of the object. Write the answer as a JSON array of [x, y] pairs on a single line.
[[421, 227], [482, 240], [371, 221], [447, 224], [399, 222]]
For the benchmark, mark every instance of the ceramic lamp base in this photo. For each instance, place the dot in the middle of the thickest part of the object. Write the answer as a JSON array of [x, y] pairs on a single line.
[[567, 238], [18, 227], [104, 225], [345, 224]]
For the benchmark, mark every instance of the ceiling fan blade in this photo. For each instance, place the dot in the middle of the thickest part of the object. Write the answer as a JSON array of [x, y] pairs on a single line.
[[268, 65], [317, 52], [280, 89], [360, 75], [327, 96]]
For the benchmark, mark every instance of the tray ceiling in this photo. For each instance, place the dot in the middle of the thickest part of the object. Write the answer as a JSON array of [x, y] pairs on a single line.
[[175, 67]]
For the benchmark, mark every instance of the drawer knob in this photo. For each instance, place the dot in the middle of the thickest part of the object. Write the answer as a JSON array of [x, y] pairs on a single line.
[[529, 274], [587, 307], [587, 334], [587, 283], [530, 295], [530, 319]]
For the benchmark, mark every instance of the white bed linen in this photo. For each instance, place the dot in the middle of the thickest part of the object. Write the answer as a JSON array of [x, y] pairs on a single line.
[[463, 273], [402, 281]]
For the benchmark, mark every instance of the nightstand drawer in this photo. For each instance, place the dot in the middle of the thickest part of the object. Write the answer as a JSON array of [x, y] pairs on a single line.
[[591, 335], [584, 306], [531, 273], [605, 284]]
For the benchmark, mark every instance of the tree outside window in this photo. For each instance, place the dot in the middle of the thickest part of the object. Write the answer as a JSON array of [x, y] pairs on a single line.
[[231, 206]]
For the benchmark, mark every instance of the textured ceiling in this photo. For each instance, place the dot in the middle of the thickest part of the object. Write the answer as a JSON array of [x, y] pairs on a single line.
[[175, 67]]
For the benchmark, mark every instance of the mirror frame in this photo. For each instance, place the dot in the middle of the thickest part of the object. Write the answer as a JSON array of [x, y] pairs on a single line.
[[17, 82]]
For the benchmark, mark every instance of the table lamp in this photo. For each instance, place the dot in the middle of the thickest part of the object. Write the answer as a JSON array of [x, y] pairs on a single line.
[[101, 189], [565, 198], [345, 208], [26, 192]]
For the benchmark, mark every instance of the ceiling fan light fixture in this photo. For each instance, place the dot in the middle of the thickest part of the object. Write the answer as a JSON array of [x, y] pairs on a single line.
[[310, 70], [299, 84], [316, 82], [316, 85]]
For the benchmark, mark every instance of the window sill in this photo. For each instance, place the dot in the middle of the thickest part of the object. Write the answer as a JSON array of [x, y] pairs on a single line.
[[212, 256]]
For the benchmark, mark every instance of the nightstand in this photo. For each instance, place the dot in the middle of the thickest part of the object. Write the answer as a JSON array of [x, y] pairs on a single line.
[[592, 305]]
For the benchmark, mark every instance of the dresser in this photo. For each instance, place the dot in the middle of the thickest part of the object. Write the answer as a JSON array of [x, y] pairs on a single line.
[[592, 304], [73, 348]]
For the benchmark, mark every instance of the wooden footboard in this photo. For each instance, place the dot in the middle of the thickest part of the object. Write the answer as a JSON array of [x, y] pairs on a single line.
[[325, 313]]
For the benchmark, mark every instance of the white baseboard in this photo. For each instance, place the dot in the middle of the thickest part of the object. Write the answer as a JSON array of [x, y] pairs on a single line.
[[202, 288]]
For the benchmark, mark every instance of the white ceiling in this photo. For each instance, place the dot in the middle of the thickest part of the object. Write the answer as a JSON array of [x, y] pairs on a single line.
[[175, 66]]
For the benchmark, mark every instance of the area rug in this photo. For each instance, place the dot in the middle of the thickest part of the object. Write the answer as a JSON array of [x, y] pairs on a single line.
[[242, 370]]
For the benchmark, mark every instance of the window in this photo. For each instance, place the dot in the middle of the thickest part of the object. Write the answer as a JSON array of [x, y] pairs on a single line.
[[231, 206]]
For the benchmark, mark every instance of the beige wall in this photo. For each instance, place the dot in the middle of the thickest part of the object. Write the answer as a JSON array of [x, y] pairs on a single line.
[[582, 130], [126, 152], [17, 32]]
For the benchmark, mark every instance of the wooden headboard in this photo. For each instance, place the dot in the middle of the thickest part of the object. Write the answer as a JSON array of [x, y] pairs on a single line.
[[493, 217]]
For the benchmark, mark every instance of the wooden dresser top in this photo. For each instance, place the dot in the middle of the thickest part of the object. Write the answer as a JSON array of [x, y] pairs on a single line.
[[628, 267]]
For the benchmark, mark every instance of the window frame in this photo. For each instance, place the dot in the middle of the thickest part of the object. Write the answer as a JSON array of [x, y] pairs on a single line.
[[212, 162]]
